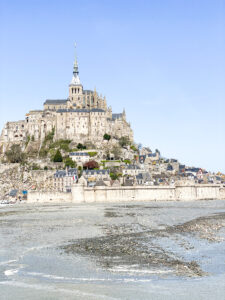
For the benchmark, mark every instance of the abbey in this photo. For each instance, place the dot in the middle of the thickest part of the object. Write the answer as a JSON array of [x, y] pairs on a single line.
[[83, 117]]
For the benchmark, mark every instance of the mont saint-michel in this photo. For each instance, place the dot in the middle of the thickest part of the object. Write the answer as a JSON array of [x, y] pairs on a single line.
[[77, 150], [83, 117]]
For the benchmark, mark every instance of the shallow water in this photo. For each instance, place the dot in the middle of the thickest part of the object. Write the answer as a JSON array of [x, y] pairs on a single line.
[[148, 250]]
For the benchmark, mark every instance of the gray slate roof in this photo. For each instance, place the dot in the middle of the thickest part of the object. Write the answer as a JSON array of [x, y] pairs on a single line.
[[58, 101], [88, 92], [80, 110], [116, 116], [63, 173], [133, 167], [93, 172], [79, 154]]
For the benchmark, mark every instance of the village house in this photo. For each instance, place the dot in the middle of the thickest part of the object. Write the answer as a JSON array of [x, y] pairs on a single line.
[[93, 176], [131, 170], [144, 178], [64, 179], [79, 157]]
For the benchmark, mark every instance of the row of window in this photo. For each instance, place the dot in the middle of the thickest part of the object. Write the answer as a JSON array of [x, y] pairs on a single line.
[[75, 90]]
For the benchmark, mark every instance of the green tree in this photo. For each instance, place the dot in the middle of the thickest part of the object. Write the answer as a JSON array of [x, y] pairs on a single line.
[[58, 156], [90, 165], [81, 146], [15, 154], [124, 141], [69, 162], [106, 137], [113, 176]]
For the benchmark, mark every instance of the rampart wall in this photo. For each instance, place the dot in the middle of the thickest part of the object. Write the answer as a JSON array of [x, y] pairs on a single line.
[[127, 194], [43, 197], [147, 193]]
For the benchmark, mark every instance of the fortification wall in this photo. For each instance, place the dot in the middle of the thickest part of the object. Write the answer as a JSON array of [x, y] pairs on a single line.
[[43, 197], [138, 193], [128, 194]]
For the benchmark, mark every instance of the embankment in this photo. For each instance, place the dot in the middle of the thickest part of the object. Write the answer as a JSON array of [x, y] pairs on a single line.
[[136, 193]]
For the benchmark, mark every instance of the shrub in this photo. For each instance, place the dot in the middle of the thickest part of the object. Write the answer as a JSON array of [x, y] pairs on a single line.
[[35, 167], [81, 146], [61, 144], [69, 162], [43, 152], [15, 154], [91, 165], [124, 141], [50, 135], [27, 140], [45, 168], [113, 176], [106, 137], [133, 148], [92, 154], [127, 161], [58, 156]]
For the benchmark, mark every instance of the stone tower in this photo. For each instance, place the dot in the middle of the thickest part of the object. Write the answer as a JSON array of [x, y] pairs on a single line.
[[75, 87]]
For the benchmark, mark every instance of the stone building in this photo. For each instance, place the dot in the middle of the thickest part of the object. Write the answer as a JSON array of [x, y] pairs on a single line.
[[83, 117], [131, 170], [93, 176], [79, 157], [64, 179]]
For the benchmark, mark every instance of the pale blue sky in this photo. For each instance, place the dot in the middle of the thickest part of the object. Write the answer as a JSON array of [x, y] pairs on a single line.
[[164, 61]]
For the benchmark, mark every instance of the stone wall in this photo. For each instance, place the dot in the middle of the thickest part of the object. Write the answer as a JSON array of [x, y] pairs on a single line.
[[138, 193], [43, 197]]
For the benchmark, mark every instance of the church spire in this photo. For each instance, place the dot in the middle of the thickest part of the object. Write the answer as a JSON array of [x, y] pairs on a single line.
[[75, 65], [75, 79]]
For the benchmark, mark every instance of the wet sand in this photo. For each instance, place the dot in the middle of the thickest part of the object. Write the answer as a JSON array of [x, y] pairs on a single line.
[[149, 250]]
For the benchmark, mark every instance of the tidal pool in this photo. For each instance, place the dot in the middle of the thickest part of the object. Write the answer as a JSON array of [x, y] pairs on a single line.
[[141, 250]]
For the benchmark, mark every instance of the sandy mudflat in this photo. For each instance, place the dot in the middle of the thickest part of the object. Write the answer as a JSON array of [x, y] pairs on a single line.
[[148, 250]]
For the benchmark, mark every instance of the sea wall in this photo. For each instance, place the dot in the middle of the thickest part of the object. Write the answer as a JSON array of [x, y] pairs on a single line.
[[146, 193], [81, 193], [42, 197]]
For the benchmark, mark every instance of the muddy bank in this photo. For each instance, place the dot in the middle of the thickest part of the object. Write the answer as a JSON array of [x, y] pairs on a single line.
[[131, 245]]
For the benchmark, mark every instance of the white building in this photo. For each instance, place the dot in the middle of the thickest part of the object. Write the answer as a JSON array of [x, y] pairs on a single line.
[[79, 157]]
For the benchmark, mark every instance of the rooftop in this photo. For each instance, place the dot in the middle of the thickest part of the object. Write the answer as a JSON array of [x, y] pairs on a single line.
[[92, 172], [79, 154], [55, 101], [80, 110], [116, 116]]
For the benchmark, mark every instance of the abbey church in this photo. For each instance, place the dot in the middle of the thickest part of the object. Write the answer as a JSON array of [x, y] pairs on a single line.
[[83, 117]]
